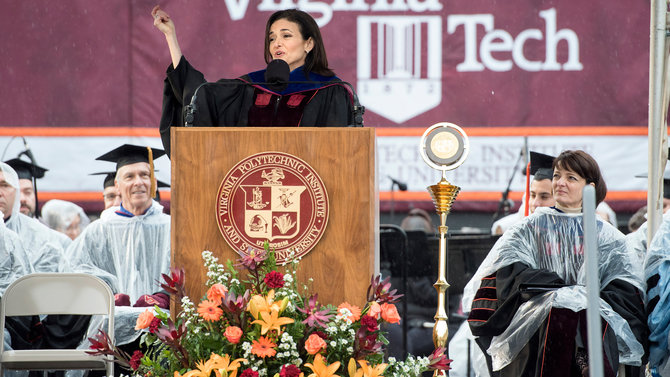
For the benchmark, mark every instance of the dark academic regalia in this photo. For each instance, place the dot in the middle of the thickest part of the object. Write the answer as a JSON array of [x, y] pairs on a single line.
[[546, 249], [326, 102]]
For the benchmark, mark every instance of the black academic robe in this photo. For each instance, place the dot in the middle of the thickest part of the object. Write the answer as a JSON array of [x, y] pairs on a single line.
[[552, 351], [325, 103]]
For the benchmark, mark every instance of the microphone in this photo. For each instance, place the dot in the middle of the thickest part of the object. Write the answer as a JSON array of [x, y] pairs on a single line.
[[277, 75], [401, 185], [28, 152]]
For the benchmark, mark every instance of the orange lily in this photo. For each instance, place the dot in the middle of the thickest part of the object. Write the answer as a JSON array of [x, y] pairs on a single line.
[[370, 371], [272, 321], [259, 303], [224, 364], [321, 369], [216, 363]]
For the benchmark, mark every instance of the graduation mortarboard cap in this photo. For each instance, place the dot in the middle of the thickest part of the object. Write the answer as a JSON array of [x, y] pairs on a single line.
[[666, 179], [541, 166], [25, 169], [130, 154], [666, 182], [109, 178], [161, 184]]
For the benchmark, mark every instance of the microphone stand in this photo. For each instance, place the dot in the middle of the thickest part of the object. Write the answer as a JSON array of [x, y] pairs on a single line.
[[393, 184], [504, 205]]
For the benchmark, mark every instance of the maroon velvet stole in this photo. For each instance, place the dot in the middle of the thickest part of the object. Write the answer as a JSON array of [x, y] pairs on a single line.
[[271, 109]]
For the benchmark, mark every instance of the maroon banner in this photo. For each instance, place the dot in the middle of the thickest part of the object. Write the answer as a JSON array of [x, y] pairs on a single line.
[[413, 62]]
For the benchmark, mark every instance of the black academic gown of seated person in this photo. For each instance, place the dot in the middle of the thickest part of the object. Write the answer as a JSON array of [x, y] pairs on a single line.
[[324, 102]]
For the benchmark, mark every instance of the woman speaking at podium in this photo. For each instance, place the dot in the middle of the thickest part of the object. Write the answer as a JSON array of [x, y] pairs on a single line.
[[313, 95]]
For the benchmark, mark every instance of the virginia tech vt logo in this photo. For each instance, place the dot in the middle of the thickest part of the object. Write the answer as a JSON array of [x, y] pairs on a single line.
[[272, 196], [399, 65]]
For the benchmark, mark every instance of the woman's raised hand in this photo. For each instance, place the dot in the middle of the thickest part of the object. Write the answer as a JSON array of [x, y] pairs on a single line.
[[162, 21]]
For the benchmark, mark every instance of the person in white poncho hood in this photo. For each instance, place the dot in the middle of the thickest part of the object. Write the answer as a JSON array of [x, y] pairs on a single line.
[[43, 245]]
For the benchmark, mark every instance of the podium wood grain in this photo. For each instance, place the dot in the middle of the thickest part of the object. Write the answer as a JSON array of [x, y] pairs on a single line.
[[342, 262]]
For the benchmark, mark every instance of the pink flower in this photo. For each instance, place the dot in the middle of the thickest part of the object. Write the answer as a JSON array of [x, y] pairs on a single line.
[[375, 310], [233, 334], [253, 259], [274, 279], [314, 315]]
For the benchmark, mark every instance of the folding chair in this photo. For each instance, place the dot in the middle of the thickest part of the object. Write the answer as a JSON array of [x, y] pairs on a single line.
[[56, 293]]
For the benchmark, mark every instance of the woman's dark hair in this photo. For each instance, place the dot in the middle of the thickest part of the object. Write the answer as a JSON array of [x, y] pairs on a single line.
[[583, 164], [316, 60]]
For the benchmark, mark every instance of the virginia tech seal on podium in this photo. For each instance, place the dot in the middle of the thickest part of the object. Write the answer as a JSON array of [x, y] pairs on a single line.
[[272, 196]]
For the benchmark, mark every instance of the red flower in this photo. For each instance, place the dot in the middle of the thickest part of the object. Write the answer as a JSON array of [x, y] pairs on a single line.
[[321, 334], [381, 291], [136, 360], [249, 373], [274, 279], [174, 284], [289, 370], [155, 325], [438, 360], [370, 323]]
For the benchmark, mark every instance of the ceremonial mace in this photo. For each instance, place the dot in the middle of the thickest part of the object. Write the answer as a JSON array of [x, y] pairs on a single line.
[[444, 146]]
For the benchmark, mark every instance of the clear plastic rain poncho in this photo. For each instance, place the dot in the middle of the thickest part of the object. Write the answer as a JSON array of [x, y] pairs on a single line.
[[14, 262], [129, 253], [60, 214], [553, 241], [657, 262], [44, 246]]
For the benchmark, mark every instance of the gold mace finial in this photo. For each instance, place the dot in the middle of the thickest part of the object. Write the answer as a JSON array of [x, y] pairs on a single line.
[[444, 146]]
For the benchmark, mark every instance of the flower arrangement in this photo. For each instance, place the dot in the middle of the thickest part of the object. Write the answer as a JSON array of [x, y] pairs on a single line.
[[266, 324]]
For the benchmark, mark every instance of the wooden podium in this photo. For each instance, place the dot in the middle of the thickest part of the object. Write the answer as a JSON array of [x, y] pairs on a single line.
[[346, 256]]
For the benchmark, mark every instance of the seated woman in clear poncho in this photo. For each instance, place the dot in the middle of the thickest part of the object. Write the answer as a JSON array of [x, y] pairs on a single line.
[[527, 300]]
